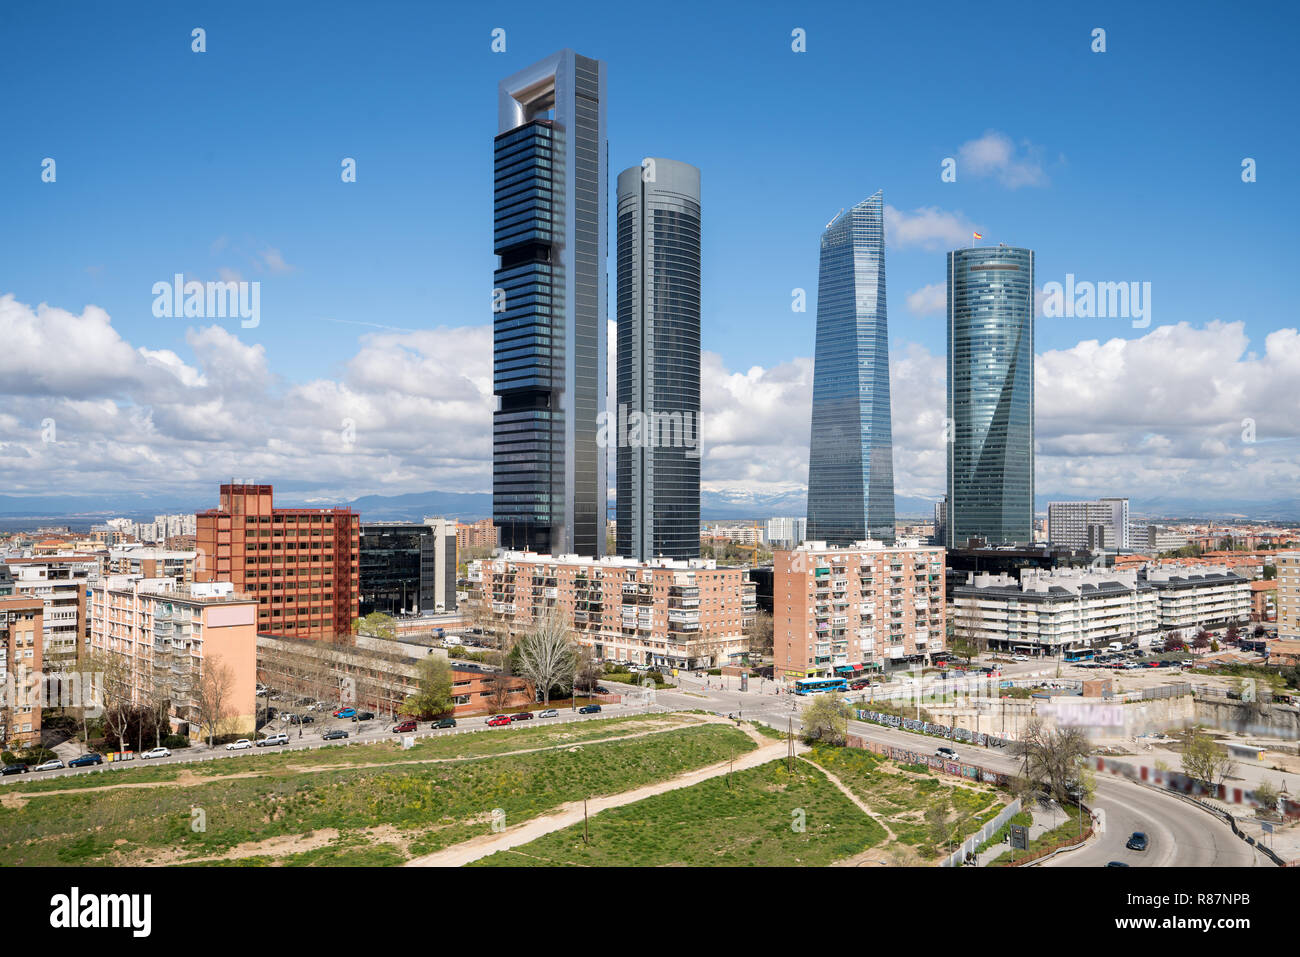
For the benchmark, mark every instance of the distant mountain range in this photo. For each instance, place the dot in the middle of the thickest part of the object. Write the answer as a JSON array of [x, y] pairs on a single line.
[[81, 511]]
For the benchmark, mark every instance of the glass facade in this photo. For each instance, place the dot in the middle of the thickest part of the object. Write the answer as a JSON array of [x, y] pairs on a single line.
[[991, 395], [658, 311], [407, 568], [851, 453], [548, 473]]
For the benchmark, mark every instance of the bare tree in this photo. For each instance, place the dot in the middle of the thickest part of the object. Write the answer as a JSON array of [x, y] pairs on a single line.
[[760, 634], [547, 654], [215, 688], [1053, 760], [112, 690], [1206, 760]]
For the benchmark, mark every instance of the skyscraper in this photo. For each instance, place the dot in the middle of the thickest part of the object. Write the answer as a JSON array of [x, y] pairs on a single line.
[[990, 395], [658, 311], [851, 455], [548, 473]]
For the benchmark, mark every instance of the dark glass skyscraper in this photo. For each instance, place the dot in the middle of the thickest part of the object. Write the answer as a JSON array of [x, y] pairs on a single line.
[[658, 311], [990, 395], [548, 473], [851, 455]]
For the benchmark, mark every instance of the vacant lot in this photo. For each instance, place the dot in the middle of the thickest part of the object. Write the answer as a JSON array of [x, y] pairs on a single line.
[[764, 816], [378, 805]]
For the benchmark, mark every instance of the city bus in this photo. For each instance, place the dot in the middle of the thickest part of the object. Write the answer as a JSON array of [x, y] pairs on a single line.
[[818, 685], [1079, 656]]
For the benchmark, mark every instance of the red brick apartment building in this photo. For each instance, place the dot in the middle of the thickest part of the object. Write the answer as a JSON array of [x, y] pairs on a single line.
[[21, 644], [301, 564]]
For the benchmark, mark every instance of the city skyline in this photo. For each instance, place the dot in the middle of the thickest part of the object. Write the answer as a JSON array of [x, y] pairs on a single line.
[[352, 414]]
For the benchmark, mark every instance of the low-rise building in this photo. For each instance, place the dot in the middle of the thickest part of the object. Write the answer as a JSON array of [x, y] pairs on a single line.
[[846, 609], [676, 613], [1054, 612]]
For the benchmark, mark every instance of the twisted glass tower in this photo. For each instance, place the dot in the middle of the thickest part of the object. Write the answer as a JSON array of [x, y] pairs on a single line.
[[549, 336], [991, 395], [851, 454]]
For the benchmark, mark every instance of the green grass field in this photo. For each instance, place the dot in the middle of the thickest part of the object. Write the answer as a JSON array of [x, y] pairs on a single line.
[[751, 822], [427, 806]]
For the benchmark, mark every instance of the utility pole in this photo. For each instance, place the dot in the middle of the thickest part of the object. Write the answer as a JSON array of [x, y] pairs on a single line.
[[585, 834], [789, 737]]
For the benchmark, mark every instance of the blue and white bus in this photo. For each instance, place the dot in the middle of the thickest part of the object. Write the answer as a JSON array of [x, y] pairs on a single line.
[[818, 685]]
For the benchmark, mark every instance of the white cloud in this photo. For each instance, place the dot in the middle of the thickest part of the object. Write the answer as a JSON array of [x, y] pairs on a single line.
[[928, 300], [994, 154], [928, 227]]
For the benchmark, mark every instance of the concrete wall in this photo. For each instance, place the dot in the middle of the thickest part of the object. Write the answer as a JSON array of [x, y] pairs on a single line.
[[1270, 720]]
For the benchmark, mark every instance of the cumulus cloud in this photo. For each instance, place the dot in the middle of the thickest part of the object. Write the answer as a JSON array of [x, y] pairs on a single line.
[[1189, 412], [928, 300], [995, 155], [929, 227]]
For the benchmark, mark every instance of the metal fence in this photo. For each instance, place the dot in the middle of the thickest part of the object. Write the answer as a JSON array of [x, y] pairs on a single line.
[[968, 846]]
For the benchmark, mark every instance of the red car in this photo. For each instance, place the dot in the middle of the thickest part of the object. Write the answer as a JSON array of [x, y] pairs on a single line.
[[403, 727], [522, 716], [498, 721]]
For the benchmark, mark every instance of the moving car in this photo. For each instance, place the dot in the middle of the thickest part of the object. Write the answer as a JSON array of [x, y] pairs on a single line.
[[85, 760], [243, 744], [1019, 657], [522, 716], [446, 723], [1137, 842], [334, 735], [162, 752], [345, 712], [947, 753], [589, 709], [273, 739], [403, 727], [18, 768], [549, 713], [498, 721], [52, 765], [1116, 864]]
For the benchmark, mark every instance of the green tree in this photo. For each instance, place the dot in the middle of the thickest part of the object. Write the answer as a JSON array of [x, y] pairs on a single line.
[[1205, 759], [433, 695], [375, 625], [826, 720]]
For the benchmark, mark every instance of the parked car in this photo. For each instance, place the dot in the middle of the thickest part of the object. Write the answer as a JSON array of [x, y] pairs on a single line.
[[345, 713], [446, 723], [307, 719], [946, 753], [86, 760], [18, 768], [601, 689], [589, 709], [1019, 657], [548, 713], [403, 727], [334, 735], [243, 744], [1137, 842], [363, 716], [159, 753], [492, 717], [52, 765], [498, 721], [273, 740], [522, 716]]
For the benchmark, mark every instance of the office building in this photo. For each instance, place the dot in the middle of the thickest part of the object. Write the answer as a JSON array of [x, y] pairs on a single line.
[[663, 612], [657, 425], [851, 453], [940, 537], [300, 564], [549, 335], [851, 609], [408, 569], [167, 633], [1098, 525], [991, 395]]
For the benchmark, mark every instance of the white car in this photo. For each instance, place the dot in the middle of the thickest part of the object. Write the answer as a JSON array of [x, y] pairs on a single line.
[[243, 744], [1019, 657], [157, 753], [549, 713], [53, 765]]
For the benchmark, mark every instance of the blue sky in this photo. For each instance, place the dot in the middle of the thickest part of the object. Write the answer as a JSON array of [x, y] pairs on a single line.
[[1123, 165]]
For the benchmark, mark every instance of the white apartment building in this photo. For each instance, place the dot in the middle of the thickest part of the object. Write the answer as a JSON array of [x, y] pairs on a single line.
[[1201, 596], [1055, 612], [60, 581], [1092, 525], [786, 532]]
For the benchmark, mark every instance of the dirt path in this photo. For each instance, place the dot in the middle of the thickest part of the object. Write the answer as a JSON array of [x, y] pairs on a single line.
[[861, 805], [184, 779], [572, 813]]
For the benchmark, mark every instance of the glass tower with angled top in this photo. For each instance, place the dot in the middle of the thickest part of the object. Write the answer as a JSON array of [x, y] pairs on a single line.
[[851, 454], [549, 336], [991, 395]]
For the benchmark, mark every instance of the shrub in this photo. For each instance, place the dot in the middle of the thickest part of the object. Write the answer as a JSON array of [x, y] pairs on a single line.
[[176, 741], [8, 757], [715, 671]]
